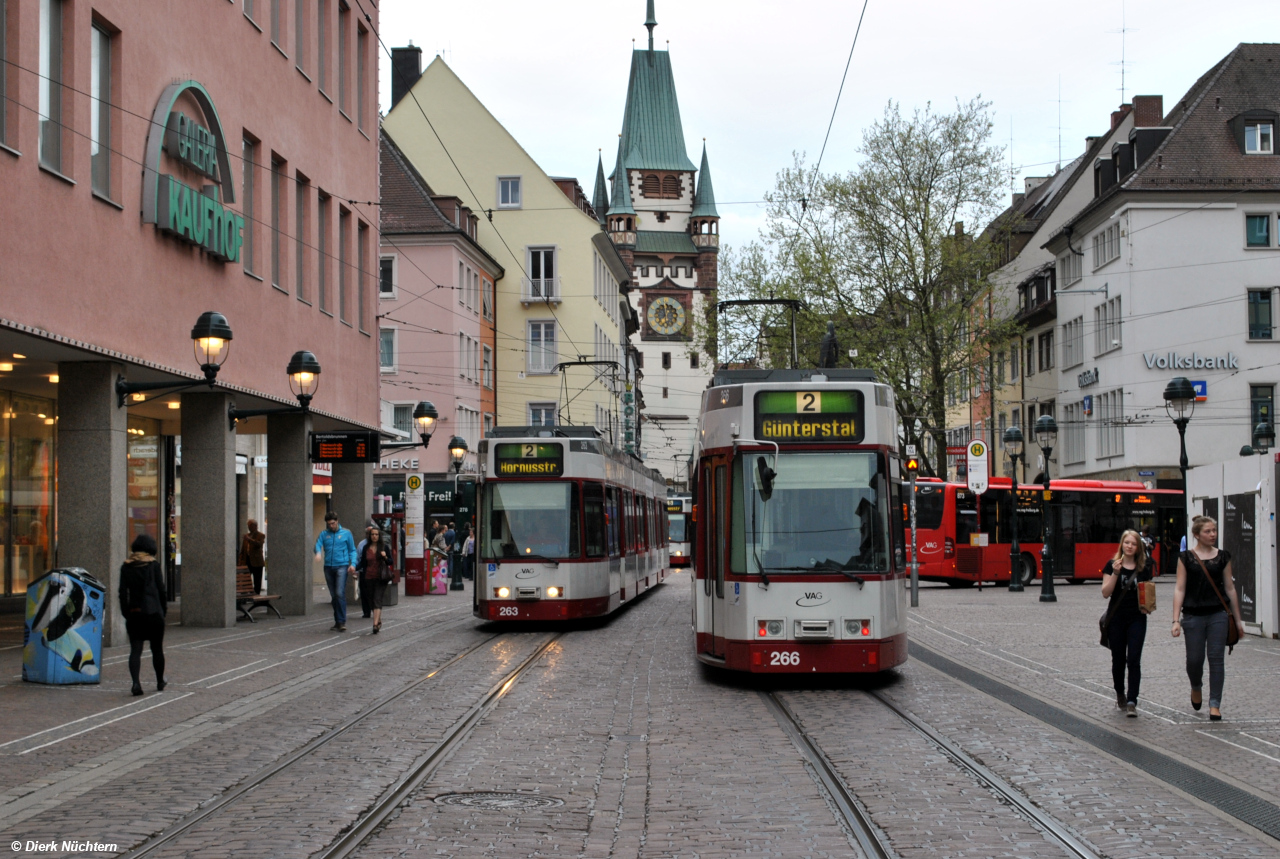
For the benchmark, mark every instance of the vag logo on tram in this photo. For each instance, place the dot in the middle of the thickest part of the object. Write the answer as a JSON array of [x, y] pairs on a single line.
[[812, 598]]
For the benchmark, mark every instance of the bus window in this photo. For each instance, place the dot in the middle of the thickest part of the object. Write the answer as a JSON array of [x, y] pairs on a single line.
[[930, 501], [966, 516], [596, 527]]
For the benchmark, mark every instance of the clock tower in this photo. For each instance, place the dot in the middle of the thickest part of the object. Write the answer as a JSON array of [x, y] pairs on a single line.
[[663, 220]]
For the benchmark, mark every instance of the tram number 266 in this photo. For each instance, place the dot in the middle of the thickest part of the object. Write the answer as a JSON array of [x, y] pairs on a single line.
[[784, 657]]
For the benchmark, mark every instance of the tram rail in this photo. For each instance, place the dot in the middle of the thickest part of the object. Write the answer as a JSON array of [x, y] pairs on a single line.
[[872, 840]]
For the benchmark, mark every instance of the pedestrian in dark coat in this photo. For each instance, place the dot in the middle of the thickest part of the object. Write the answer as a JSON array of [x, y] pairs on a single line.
[[251, 554], [143, 605], [1127, 629], [373, 566]]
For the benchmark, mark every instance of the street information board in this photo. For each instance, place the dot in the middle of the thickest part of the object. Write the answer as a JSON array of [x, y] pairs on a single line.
[[976, 463], [809, 416]]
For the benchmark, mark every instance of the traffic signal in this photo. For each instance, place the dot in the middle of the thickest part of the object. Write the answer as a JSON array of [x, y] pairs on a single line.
[[913, 466]]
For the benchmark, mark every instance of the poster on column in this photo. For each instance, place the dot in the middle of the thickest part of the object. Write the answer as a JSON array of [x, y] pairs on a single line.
[[1237, 538]]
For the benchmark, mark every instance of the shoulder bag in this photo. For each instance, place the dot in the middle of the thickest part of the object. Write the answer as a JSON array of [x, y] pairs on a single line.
[[1233, 628]]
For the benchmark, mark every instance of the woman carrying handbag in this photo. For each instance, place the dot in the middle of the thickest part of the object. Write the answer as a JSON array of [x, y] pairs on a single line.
[[1204, 576], [373, 568], [1126, 619]]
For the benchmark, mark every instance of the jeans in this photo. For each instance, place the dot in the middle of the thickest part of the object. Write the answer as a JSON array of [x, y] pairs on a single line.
[[1126, 640], [1206, 633], [336, 579]]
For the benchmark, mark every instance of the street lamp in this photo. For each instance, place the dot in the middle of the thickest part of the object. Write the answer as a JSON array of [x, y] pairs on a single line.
[[1013, 447], [211, 338], [457, 452], [1180, 405], [304, 378], [1046, 435], [424, 417], [1263, 437]]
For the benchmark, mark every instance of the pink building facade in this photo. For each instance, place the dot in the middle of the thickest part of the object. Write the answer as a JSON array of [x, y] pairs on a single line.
[[172, 159]]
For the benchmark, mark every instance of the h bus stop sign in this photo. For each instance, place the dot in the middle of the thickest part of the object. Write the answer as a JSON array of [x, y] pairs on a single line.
[[976, 462]]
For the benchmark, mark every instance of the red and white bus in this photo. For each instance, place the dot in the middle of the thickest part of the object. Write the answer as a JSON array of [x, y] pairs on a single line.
[[570, 527], [965, 538]]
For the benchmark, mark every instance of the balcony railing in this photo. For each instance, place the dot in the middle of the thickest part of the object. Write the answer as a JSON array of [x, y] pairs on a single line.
[[539, 289]]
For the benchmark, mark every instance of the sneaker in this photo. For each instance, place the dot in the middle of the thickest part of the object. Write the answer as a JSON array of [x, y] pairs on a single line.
[[1120, 702], [342, 629], [335, 628], [1131, 710]]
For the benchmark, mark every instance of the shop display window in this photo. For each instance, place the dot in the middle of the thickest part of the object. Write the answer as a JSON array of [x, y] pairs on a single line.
[[28, 530]]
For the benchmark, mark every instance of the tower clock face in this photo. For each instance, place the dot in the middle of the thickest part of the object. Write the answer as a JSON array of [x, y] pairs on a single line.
[[666, 316]]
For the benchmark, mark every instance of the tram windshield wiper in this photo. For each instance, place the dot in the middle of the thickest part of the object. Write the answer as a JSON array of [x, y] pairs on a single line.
[[534, 556], [827, 566]]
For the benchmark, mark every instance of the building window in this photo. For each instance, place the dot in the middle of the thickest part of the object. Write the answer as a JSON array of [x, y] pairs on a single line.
[[99, 108], [4, 68], [1073, 343], [1046, 351], [1031, 356], [1260, 319], [1106, 325], [542, 414], [461, 288], [508, 192], [1069, 268], [250, 168], [639, 360], [1106, 246], [693, 360], [664, 393], [486, 369], [1257, 231], [1261, 401], [322, 251], [1014, 418], [666, 360], [543, 283], [322, 43], [1072, 433], [402, 418], [344, 63], [487, 285], [1015, 360], [488, 423], [362, 61], [542, 347], [276, 23], [1109, 412], [387, 349], [387, 277], [344, 257], [248, 9], [277, 222], [999, 369], [1257, 139], [300, 34], [50, 84], [301, 197], [362, 272]]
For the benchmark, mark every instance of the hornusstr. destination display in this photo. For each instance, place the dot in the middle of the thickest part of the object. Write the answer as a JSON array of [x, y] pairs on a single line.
[[528, 460], [809, 416]]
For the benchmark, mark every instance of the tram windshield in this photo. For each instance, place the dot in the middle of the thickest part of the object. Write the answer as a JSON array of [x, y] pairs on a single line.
[[826, 511], [533, 520], [677, 527]]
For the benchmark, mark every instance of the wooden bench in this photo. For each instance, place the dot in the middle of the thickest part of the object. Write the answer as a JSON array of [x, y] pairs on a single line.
[[247, 600]]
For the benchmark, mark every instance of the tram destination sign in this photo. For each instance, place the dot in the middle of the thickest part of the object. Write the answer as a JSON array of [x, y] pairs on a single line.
[[528, 459], [809, 416], [354, 446]]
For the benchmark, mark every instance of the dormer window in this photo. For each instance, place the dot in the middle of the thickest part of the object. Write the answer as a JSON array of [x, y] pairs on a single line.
[[1258, 138]]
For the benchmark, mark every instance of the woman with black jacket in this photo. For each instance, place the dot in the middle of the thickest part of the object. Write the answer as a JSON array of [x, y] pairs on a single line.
[[143, 605], [1127, 627], [373, 568]]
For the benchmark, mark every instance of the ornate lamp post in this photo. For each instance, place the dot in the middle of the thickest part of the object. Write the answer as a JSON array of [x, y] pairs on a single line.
[[304, 380], [1263, 437], [1013, 447], [1046, 436], [457, 452], [211, 337], [1180, 405], [424, 417]]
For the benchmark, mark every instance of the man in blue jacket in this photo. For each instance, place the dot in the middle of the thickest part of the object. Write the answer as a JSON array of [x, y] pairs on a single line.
[[338, 550]]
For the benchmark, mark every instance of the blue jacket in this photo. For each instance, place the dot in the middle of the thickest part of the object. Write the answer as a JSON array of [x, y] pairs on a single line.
[[339, 548]]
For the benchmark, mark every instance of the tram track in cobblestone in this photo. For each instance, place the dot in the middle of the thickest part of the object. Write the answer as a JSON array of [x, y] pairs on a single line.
[[873, 841], [247, 785]]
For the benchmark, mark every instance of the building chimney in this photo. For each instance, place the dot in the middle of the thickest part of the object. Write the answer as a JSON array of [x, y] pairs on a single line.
[[1148, 110], [1088, 143], [406, 68], [959, 229], [1117, 116]]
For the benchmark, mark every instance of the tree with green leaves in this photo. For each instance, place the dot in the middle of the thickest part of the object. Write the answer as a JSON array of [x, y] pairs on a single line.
[[882, 252]]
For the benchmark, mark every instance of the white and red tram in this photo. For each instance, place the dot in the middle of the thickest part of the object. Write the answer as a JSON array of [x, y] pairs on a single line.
[[680, 529], [799, 550], [569, 526]]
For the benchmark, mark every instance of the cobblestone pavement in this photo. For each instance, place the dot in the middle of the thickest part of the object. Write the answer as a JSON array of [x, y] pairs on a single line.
[[619, 743]]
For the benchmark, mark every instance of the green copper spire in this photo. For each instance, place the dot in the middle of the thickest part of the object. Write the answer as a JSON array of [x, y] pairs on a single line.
[[652, 135], [650, 22], [600, 199], [621, 187], [704, 200]]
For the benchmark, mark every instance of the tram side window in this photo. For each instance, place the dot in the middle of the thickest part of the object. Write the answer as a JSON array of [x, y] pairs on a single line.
[[611, 518], [896, 523], [596, 522]]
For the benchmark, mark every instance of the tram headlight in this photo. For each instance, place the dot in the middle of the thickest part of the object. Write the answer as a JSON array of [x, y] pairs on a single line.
[[502, 593], [553, 592], [769, 628], [775, 627], [858, 627]]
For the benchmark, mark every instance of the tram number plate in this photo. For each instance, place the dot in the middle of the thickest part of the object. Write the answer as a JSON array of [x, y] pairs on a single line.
[[784, 657], [508, 611]]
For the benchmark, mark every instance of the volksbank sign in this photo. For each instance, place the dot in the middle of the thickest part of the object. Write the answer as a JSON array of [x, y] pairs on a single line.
[[1194, 361], [195, 216]]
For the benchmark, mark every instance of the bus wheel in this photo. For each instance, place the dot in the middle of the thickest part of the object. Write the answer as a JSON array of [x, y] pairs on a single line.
[[1028, 572]]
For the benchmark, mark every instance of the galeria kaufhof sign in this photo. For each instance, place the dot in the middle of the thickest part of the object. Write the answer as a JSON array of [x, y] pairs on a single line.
[[194, 216]]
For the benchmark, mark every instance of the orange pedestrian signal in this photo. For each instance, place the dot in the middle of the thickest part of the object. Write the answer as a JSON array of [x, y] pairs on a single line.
[[913, 465]]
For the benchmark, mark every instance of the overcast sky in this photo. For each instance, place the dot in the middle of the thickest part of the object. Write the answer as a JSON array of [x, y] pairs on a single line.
[[758, 79]]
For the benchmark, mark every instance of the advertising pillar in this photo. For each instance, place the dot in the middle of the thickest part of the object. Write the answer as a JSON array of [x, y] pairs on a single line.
[[415, 577]]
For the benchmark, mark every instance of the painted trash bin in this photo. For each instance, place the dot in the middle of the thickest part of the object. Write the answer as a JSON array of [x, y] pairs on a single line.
[[62, 638]]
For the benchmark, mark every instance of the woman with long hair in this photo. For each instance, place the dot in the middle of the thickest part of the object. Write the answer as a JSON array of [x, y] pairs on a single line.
[[373, 567], [1204, 581], [1127, 627]]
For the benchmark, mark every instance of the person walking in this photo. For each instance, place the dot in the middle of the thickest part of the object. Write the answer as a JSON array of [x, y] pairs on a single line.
[[1127, 627], [1204, 581], [143, 605], [374, 569], [468, 553], [337, 549], [251, 554]]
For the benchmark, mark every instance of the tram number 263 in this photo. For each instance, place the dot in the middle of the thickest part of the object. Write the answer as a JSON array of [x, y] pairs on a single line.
[[508, 611], [784, 657]]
